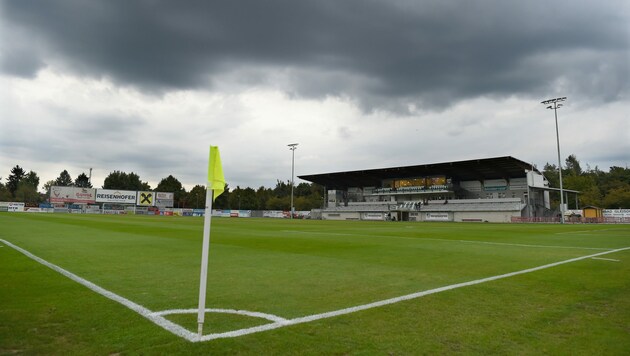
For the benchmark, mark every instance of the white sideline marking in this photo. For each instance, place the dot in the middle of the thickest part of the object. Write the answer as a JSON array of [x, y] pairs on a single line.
[[449, 240], [158, 319], [380, 303], [605, 259], [589, 232], [526, 245]]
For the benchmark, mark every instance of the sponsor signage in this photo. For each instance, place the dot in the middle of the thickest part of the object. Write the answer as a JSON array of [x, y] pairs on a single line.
[[164, 200], [616, 213], [145, 198], [72, 195], [372, 216], [495, 188], [115, 196], [273, 214], [436, 216], [16, 206]]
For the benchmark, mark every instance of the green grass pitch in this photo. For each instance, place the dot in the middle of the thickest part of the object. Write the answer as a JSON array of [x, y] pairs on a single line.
[[299, 268]]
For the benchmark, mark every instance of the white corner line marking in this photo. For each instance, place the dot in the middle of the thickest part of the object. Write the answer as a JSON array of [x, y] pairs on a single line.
[[605, 259], [384, 302], [270, 317], [158, 319]]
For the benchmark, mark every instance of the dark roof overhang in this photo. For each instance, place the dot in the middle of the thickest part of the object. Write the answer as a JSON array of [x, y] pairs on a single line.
[[478, 169]]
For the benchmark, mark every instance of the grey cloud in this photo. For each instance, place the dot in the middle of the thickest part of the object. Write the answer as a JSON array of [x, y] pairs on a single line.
[[383, 54], [20, 62]]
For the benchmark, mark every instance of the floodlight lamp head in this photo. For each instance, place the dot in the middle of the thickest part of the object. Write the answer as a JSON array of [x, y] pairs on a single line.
[[556, 100]]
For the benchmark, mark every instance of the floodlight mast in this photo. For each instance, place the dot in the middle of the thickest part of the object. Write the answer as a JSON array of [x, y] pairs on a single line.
[[555, 105], [292, 147]]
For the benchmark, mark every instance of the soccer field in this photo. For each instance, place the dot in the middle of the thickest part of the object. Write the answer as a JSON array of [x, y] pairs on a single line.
[[98, 284]]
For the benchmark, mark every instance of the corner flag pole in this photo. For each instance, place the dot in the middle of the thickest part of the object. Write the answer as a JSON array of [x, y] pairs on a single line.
[[216, 184], [204, 261]]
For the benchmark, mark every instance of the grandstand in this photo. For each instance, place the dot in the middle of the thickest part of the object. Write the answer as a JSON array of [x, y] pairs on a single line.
[[491, 189]]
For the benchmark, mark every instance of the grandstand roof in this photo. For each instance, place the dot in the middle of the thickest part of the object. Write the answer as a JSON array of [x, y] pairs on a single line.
[[478, 169]]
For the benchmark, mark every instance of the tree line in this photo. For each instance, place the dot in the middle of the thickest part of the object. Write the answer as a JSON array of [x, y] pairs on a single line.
[[22, 186], [609, 190], [597, 188]]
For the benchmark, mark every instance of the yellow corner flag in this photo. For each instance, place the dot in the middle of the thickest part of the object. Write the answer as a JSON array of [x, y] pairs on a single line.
[[216, 181]]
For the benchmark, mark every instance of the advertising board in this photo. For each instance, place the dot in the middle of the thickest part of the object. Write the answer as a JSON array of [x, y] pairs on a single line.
[[164, 200], [436, 217], [616, 213], [116, 196], [72, 195], [145, 198], [13, 206], [372, 216]]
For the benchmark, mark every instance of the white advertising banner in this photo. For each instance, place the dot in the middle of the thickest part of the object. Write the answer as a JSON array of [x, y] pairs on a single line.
[[372, 216], [616, 213], [16, 207], [273, 214], [164, 200], [72, 195], [115, 196], [436, 217]]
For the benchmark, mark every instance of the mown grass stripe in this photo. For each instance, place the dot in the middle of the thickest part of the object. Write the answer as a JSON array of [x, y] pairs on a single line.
[[157, 319]]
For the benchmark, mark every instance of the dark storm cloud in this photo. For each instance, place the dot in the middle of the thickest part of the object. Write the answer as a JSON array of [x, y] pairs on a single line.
[[383, 54]]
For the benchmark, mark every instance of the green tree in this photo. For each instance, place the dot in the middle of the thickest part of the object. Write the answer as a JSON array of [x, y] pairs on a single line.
[[572, 166], [223, 200], [32, 179], [550, 171], [124, 181], [277, 203], [48, 185], [248, 199], [262, 196], [582, 183], [302, 203], [184, 200], [197, 197], [27, 193], [5, 194], [64, 179], [591, 197], [316, 201], [618, 198], [302, 190], [282, 189], [115, 180], [243, 199], [134, 182], [17, 174], [82, 181]]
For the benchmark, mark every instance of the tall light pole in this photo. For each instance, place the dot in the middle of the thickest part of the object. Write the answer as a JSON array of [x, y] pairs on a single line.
[[555, 105], [292, 147]]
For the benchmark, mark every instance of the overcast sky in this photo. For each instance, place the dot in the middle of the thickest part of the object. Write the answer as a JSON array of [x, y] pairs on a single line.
[[147, 86]]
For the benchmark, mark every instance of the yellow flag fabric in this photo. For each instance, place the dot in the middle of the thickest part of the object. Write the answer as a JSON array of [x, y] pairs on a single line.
[[216, 181]]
